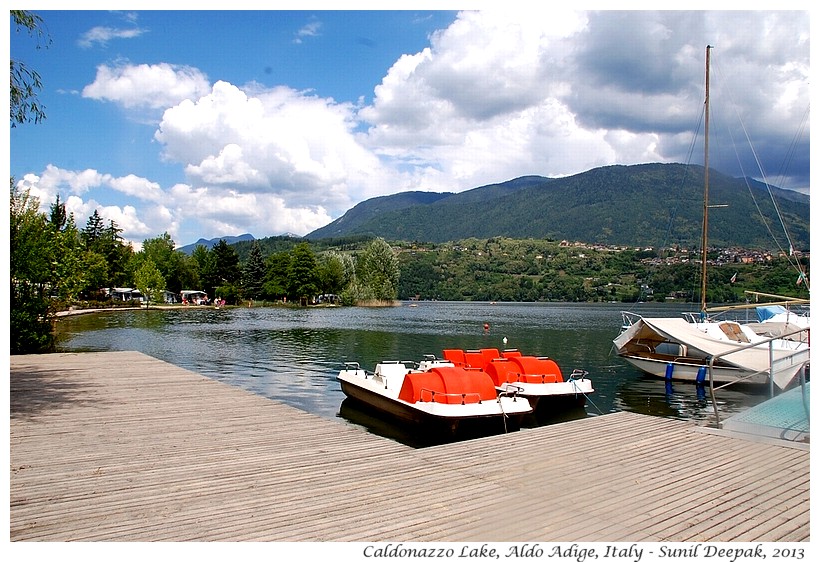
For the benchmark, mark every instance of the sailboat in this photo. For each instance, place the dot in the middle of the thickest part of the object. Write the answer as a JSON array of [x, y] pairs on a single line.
[[697, 348]]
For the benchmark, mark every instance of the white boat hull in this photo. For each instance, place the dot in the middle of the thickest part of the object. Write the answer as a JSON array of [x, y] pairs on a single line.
[[571, 392], [381, 395], [651, 344], [690, 371]]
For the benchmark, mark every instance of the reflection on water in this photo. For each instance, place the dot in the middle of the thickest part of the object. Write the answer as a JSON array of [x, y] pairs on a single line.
[[293, 355]]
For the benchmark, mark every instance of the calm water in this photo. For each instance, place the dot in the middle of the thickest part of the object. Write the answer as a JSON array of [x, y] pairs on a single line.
[[293, 355]]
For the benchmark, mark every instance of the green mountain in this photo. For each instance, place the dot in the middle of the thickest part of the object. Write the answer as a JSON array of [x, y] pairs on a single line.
[[639, 205]]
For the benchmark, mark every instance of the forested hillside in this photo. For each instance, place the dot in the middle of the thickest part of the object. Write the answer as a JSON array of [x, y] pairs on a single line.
[[531, 270], [503, 269], [643, 205]]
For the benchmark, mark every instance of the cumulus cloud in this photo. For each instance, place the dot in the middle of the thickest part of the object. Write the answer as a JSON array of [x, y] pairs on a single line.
[[140, 188], [277, 141], [147, 85], [486, 114], [150, 210], [224, 212], [498, 95], [85, 191]]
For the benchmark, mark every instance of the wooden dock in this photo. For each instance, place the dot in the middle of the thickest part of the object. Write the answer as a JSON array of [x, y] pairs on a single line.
[[122, 447]]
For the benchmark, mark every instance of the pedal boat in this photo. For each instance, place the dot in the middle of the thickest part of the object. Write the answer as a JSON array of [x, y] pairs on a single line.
[[538, 379], [434, 393]]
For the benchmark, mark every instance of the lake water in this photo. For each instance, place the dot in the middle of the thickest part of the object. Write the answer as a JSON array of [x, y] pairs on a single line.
[[293, 355]]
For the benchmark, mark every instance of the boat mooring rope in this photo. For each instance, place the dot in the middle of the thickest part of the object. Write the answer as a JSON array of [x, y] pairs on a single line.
[[575, 384], [503, 414]]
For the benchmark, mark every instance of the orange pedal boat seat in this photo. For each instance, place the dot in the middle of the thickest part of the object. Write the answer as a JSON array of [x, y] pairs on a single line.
[[488, 354], [454, 356], [472, 385], [473, 358], [537, 369], [503, 371], [448, 385], [421, 387]]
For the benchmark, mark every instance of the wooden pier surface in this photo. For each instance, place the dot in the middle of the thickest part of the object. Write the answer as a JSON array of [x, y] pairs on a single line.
[[122, 447]]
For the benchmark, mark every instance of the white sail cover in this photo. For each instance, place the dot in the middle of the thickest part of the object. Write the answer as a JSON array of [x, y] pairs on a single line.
[[752, 359]]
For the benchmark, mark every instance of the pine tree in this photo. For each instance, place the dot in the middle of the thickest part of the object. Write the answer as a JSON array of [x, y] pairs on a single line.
[[253, 274]]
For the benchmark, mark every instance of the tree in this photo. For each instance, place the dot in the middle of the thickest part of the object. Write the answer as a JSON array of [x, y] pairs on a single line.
[[302, 274], [149, 281], [336, 272], [218, 270], [117, 254], [161, 250], [24, 105], [276, 276], [29, 271], [92, 234], [377, 268], [68, 274], [253, 274], [59, 217], [201, 260], [106, 243]]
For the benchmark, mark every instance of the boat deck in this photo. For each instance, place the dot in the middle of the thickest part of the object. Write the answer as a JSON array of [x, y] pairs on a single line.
[[123, 447]]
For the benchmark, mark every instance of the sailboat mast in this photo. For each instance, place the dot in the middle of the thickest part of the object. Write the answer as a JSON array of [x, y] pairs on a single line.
[[704, 234]]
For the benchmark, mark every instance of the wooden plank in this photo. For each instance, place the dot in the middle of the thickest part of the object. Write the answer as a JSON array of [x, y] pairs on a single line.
[[122, 447]]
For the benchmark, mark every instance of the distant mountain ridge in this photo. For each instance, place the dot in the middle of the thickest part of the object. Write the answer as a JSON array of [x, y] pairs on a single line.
[[636, 205], [214, 241]]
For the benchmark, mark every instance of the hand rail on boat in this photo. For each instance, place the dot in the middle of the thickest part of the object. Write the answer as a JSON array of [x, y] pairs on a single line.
[[628, 319], [459, 395], [769, 342]]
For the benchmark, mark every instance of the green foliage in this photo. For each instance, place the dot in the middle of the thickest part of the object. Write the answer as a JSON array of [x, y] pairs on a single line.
[[253, 273], [106, 243], [149, 281], [275, 286], [303, 278], [25, 83], [501, 269], [29, 273], [69, 276], [230, 293], [647, 205], [377, 270], [219, 267], [336, 271]]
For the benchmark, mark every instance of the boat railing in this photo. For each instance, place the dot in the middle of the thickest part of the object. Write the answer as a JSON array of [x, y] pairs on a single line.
[[799, 355], [511, 389], [428, 395], [628, 319]]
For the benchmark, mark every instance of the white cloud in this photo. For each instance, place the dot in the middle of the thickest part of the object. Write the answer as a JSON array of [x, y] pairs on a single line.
[[47, 185], [311, 29], [80, 191], [102, 35], [152, 86], [484, 114], [140, 188], [279, 141], [503, 94], [225, 212]]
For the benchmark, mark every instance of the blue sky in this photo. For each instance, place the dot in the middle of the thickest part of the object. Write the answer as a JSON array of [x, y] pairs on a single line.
[[215, 123]]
